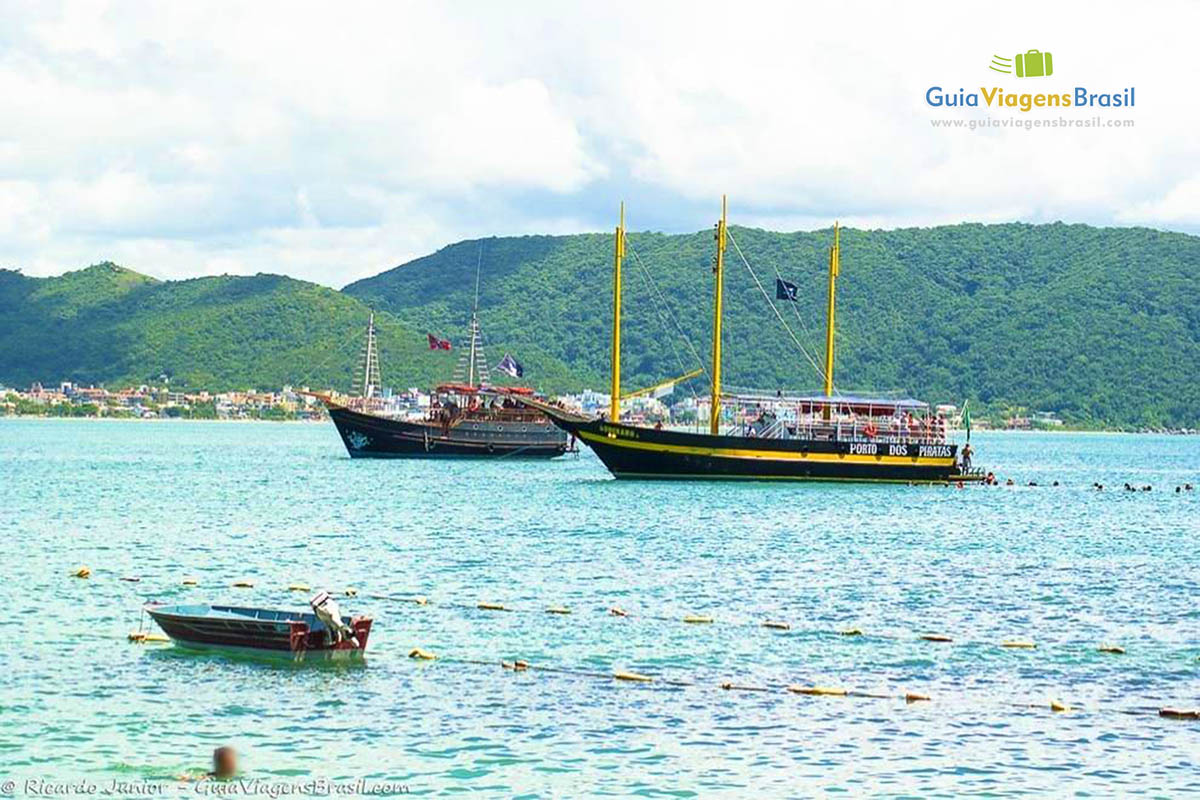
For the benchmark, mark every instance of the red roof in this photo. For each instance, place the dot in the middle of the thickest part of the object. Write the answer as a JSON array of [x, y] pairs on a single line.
[[457, 388]]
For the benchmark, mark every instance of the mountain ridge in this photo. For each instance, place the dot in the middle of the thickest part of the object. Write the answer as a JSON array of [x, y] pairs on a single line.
[[1101, 325]]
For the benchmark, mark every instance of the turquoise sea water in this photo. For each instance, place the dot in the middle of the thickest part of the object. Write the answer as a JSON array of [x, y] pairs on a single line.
[[1066, 567]]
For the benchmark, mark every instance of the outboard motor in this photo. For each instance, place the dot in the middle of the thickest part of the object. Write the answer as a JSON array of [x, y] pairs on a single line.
[[326, 609]]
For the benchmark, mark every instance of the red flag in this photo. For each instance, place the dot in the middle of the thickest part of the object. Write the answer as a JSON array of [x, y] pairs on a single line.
[[437, 344]]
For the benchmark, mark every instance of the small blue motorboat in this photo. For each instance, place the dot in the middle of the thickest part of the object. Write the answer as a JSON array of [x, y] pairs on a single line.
[[292, 633]]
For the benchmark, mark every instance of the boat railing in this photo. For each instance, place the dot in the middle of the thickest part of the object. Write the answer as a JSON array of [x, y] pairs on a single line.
[[851, 430], [476, 415]]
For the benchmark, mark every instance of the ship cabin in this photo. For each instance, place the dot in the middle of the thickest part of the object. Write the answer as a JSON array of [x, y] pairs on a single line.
[[457, 401], [841, 418]]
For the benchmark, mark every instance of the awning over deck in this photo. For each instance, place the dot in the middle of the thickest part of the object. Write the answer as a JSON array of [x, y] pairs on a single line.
[[865, 405]]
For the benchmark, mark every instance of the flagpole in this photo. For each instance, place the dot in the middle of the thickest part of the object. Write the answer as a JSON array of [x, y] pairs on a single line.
[[833, 273], [474, 319], [714, 417], [614, 406]]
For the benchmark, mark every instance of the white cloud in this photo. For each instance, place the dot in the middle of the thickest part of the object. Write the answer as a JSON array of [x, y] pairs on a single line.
[[332, 142]]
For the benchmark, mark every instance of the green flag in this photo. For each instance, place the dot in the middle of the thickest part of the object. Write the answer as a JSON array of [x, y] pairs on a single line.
[[966, 417]]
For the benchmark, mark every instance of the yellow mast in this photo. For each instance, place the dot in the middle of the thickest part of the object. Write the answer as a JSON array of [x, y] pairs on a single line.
[[714, 420], [834, 254], [614, 408]]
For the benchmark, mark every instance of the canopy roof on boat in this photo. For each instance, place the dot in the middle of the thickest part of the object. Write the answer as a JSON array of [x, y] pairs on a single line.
[[456, 388], [462, 388], [872, 406], [875, 406]]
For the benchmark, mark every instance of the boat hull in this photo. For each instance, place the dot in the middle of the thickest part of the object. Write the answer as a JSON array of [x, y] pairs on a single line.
[[295, 635], [370, 436], [636, 452]]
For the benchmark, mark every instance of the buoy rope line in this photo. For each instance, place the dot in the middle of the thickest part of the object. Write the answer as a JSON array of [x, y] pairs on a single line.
[[695, 619], [778, 687], [766, 623], [143, 636]]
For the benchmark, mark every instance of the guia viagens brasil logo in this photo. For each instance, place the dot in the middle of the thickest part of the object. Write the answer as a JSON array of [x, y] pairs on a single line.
[[1029, 64]]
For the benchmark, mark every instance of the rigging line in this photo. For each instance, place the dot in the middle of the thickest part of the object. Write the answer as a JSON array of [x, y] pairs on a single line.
[[478, 267], [661, 306], [795, 306], [350, 339], [771, 303], [649, 281], [670, 340], [675, 320]]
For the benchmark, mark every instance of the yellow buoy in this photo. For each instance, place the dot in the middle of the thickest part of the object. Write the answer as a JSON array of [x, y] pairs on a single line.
[[1110, 648], [1059, 705], [617, 611], [852, 632], [515, 666], [82, 572], [558, 610], [190, 581], [1018, 644], [298, 587], [936, 637], [913, 697], [243, 584], [491, 607], [694, 619], [776, 625], [137, 636], [142, 637], [351, 592], [424, 655], [825, 691], [632, 676]]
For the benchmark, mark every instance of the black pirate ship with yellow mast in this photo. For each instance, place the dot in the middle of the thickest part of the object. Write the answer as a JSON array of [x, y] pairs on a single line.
[[830, 436]]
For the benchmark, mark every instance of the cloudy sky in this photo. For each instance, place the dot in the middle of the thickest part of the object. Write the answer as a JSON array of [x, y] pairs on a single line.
[[329, 141]]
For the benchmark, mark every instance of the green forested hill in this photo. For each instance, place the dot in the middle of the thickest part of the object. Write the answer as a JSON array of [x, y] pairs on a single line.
[[108, 324], [1100, 325]]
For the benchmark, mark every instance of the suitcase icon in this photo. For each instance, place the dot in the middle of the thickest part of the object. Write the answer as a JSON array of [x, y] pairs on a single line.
[[1034, 64]]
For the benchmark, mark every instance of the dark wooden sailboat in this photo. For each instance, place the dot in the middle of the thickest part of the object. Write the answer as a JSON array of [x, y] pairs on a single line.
[[831, 436], [467, 418]]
